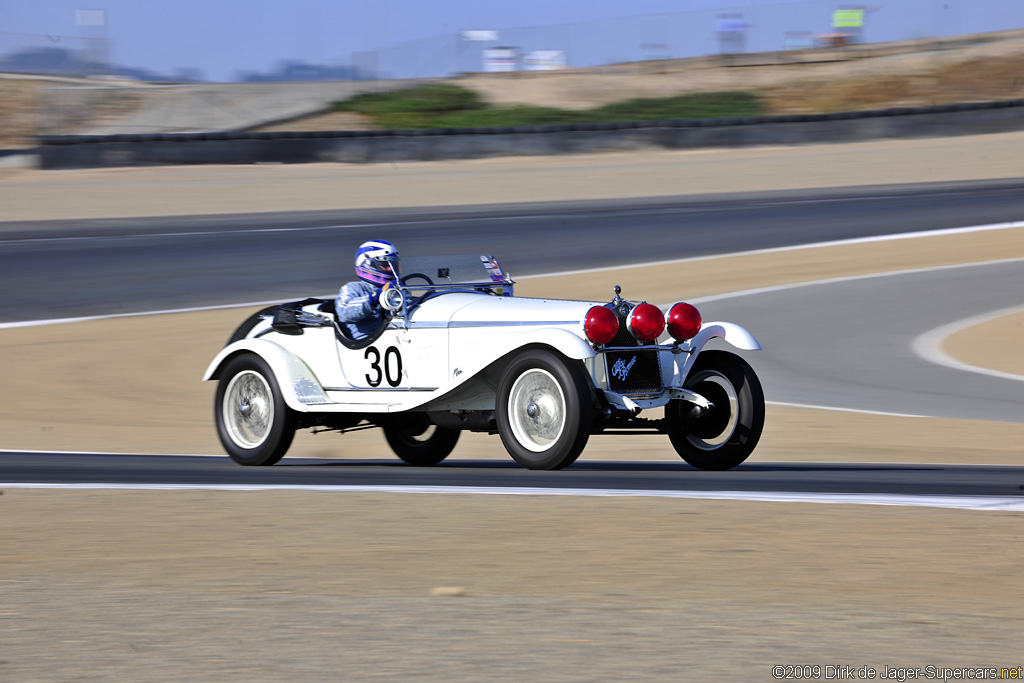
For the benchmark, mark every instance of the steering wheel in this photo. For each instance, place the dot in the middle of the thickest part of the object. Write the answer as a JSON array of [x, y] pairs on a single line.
[[418, 300]]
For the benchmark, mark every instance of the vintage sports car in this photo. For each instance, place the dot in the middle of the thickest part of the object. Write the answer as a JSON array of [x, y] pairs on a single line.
[[457, 351]]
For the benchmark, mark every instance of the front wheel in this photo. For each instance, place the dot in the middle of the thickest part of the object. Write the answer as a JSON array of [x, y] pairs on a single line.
[[544, 410], [727, 434], [419, 442], [254, 424]]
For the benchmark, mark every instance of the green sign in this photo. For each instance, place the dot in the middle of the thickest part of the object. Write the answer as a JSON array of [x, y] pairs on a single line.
[[848, 18]]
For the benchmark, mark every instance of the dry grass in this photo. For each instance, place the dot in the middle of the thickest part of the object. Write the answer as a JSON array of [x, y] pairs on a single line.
[[335, 120], [975, 80], [17, 113], [26, 111]]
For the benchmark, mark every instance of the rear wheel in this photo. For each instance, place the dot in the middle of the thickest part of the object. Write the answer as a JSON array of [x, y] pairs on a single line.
[[419, 442], [726, 435], [254, 424], [544, 410]]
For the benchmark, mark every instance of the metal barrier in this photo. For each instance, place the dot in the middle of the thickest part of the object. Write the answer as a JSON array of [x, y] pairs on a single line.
[[70, 151]]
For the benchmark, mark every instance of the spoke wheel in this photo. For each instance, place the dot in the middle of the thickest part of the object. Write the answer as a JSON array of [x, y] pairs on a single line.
[[248, 409], [536, 408], [253, 423], [544, 410], [727, 434]]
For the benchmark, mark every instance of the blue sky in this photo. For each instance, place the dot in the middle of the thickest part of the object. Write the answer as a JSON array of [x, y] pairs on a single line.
[[224, 37]]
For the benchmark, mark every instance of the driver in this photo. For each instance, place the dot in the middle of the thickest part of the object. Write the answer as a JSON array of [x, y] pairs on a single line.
[[357, 306]]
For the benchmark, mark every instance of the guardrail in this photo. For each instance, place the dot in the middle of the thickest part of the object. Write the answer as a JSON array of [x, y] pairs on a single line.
[[81, 151]]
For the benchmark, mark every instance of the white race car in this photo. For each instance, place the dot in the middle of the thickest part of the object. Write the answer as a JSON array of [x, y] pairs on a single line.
[[457, 351]]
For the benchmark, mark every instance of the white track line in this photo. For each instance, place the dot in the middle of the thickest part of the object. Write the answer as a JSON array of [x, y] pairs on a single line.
[[773, 250], [798, 247], [129, 453], [111, 316], [957, 502], [929, 345], [842, 410], [849, 278], [705, 299], [982, 503]]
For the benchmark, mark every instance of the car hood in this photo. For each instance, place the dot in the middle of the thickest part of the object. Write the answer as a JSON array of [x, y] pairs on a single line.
[[465, 310]]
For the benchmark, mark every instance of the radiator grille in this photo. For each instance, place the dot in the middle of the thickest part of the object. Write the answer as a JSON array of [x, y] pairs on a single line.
[[632, 372]]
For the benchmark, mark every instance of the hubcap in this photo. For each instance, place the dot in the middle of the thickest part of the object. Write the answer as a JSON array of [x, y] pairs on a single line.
[[248, 409], [536, 410]]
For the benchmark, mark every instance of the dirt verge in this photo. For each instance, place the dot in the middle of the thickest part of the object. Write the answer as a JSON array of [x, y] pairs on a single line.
[[983, 345], [29, 195], [250, 586]]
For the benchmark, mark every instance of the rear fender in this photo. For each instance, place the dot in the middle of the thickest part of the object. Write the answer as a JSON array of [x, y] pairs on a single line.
[[299, 386]]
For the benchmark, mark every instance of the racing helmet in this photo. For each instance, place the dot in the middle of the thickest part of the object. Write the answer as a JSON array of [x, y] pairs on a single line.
[[377, 262]]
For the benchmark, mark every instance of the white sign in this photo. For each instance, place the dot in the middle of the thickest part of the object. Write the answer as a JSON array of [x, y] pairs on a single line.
[[91, 17], [501, 59], [544, 60], [480, 35]]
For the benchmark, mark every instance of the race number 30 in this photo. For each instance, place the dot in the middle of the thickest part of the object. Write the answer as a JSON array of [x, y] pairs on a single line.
[[392, 370]]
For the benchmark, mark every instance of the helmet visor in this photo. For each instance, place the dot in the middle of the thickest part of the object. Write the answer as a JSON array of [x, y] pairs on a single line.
[[387, 264]]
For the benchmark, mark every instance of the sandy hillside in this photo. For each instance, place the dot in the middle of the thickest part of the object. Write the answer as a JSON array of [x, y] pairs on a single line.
[[982, 72]]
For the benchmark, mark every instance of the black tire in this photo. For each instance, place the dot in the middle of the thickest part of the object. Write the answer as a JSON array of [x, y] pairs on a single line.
[[254, 424], [719, 440], [561, 399], [419, 442]]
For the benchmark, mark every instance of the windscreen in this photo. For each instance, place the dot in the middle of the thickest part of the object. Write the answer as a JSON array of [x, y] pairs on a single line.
[[453, 270]]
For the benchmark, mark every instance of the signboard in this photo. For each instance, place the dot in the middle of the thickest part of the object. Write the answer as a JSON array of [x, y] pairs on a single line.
[[501, 59], [479, 35], [544, 60]]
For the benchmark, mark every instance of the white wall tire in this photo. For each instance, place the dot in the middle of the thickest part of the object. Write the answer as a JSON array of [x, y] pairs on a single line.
[[544, 410], [254, 424]]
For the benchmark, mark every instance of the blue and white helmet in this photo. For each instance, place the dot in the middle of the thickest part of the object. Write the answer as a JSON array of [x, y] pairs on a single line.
[[377, 262]]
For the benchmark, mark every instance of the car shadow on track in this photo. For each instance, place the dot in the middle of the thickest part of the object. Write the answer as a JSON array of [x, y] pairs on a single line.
[[620, 466]]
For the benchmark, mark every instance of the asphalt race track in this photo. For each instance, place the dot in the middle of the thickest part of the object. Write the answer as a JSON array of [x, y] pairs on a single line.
[[848, 344], [74, 269], [159, 470], [844, 344]]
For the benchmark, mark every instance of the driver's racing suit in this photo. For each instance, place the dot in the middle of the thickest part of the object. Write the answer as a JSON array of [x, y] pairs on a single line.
[[358, 309]]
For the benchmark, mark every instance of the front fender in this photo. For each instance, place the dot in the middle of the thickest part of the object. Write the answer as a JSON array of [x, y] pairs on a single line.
[[730, 332], [564, 341], [473, 354], [299, 386]]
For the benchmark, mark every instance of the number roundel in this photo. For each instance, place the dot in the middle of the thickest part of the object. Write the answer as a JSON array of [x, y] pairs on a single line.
[[391, 371]]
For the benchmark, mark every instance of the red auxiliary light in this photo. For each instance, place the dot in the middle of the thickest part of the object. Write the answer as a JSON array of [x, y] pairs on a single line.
[[683, 321], [601, 325], [646, 322]]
